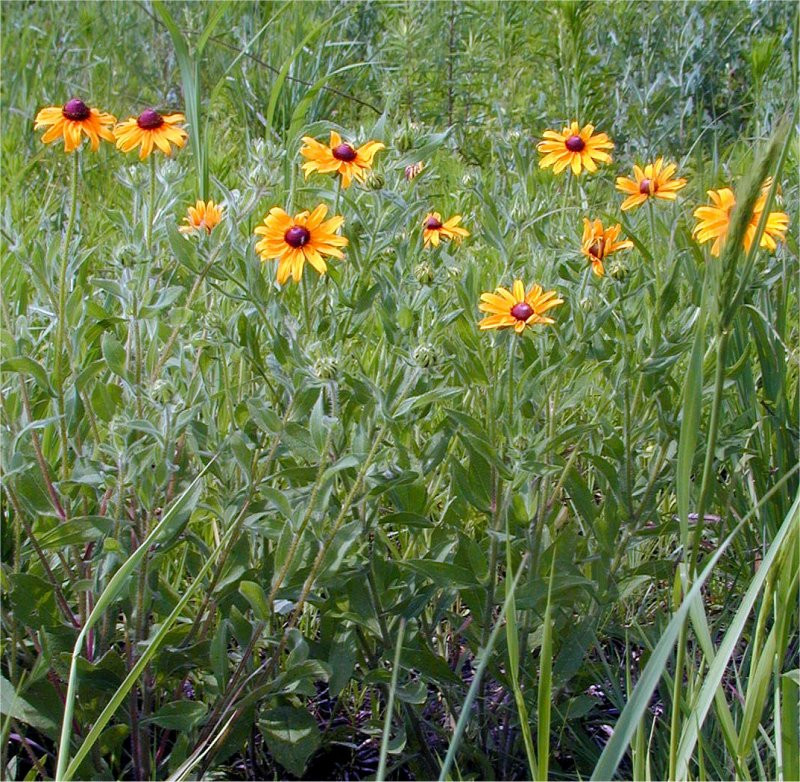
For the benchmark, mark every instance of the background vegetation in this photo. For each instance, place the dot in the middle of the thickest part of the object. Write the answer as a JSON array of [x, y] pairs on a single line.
[[260, 533]]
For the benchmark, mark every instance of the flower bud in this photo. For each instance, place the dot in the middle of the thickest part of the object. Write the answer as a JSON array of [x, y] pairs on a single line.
[[618, 271], [404, 140], [425, 355], [375, 181], [414, 170], [424, 273], [325, 368], [587, 304]]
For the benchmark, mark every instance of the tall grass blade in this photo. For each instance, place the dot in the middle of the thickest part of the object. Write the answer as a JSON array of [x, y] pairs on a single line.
[[152, 647], [280, 79], [617, 745], [104, 601], [719, 664], [189, 65], [486, 653], [690, 421], [735, 279], [512, 641], [387, 725], [545, 680]]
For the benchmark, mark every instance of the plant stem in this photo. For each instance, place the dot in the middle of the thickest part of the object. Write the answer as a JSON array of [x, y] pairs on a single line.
[[657, 273], [174, 335], [713, 429], [511, 355], [381, 775], [567, 192], [62, 307], [151, 206], [306, 310], [705, 486]]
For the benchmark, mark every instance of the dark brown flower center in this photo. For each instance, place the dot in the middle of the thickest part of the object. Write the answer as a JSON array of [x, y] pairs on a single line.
[[575, 144], [76, 110], [522, 311], [596, 249], [297, 236], [432, 224], [344, 152], [149, 119], [644, 187]]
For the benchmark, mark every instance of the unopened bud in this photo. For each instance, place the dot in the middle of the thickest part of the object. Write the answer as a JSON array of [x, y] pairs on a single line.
[[618, 271], [424, 273], [425, 355], [375, 181], [325, 368], [404, 140], [414, 170]]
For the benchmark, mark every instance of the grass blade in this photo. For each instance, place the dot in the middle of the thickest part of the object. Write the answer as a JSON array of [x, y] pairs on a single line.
[[478, 676], [387, 725], [284, 71], [545, 680], [634, 710], [512, 641], [137, 670], [106, 598], [719, 664]]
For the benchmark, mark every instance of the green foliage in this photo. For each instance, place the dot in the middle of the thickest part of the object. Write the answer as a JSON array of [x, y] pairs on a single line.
[[334, 529]]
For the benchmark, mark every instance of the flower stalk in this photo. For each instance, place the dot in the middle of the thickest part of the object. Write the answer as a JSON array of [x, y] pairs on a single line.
[[151, 206], [62, 314]]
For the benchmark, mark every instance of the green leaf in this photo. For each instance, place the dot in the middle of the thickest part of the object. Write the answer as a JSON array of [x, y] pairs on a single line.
[[78, 530], [255, 595], [178, 715], [14, 705], [114, 354], [443, 574], [292, 737], [406, 519], [27, 366]]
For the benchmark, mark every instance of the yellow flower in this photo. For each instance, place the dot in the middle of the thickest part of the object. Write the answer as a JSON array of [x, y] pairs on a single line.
[[203, 216], [574, 147], [339, 157], [72, 119], [598, 243], [654, 182], [150, 129], [517, 309], [434, 230], [295, 241], [715, 220]]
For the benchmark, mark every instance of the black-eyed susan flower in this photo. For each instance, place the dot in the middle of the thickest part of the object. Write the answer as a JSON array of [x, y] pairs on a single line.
[[598, 243], [714, 221], [304, 238], [655, 181], [203, 216], [517, 309], [151, 129], [575, 147], [434, 230], [340, 157], [71, 120]]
